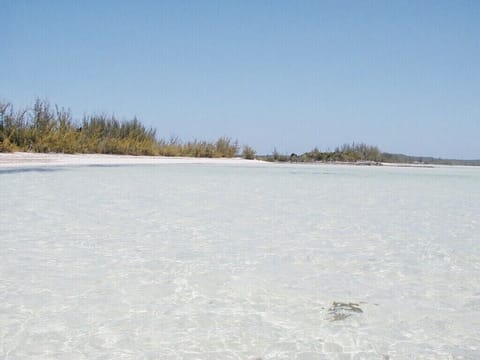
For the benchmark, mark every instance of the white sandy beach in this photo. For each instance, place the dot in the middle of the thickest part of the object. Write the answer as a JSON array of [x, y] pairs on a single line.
[[32, 160], [23, 159]]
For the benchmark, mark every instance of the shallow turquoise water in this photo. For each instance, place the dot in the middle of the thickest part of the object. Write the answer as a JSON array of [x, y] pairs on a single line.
[[229, 262]]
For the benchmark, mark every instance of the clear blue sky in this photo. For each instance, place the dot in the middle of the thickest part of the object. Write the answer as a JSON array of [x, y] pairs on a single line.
[[403, 75]]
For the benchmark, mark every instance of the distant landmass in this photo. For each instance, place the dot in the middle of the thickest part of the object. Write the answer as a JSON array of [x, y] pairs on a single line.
[[363, 154], [407, 159]]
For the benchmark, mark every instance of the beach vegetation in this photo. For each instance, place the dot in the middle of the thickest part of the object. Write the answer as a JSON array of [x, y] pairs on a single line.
[[355, 152], [45, 128], [248, 153]]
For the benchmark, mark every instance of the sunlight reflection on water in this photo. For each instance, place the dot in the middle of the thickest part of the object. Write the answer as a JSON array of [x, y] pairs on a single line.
[[225, 262]]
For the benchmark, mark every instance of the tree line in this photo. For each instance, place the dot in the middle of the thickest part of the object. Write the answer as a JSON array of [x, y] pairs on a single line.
[[364, 154], [355, 152]]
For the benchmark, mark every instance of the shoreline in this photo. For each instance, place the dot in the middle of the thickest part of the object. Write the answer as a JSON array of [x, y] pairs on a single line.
[[32, 160], [17, 160]]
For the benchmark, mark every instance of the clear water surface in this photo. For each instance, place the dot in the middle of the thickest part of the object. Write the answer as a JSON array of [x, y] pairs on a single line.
[[229, 262]]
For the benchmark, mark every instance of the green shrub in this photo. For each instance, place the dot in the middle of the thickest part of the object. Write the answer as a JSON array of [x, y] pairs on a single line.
[[248, 153]]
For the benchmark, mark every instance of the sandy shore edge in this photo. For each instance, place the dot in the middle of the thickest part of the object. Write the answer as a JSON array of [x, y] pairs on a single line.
[[32, 160]]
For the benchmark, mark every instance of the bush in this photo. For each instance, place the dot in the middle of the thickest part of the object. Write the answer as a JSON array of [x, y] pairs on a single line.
[[248, 153]]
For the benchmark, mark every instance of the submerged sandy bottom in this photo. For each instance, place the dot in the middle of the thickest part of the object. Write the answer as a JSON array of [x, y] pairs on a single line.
[[203, 261]]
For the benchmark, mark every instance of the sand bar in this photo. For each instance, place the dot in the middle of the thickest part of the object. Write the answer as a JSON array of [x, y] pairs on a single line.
[[32, 160]]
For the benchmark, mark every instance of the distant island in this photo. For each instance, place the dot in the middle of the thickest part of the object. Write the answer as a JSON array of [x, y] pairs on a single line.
[[363, 154], [43, 128]]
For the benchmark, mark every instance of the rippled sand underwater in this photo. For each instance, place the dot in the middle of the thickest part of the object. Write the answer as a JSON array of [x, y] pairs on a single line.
[[230, 262]]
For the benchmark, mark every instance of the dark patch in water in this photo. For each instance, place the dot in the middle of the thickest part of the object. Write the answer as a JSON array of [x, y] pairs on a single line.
[[341, 311]]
